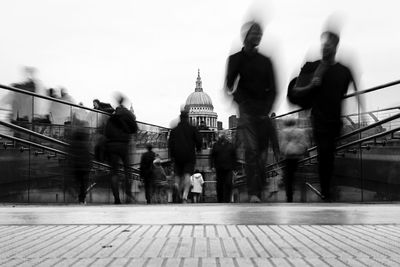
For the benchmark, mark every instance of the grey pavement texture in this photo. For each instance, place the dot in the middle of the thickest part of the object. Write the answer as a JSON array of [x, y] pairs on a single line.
[[201, 235]]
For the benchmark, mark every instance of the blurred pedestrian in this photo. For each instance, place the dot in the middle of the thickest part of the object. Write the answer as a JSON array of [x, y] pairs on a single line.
[[159, 183], [59, 112], [80, 114], [65, 96], [196, 181], [100, 120], [146, 166], [80, 158], [294, 144], [21, 104], [183, 142], [119, 128], [106, 107], [273, 137], [255, 95], [327, 85], [223, 159]]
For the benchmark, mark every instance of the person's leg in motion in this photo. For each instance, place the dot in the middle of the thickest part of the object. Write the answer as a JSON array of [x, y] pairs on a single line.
[[326, 149], [220, 185], [147, 189], [227, 189], [290, 169], [82, 180], [177, 192], [115, 187], [186, 186], [124, 155], [248, 135], [178, 184], [257, 144], [113, 157]]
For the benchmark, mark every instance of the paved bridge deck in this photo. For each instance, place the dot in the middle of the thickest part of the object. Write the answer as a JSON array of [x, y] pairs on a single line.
[[201, 235]]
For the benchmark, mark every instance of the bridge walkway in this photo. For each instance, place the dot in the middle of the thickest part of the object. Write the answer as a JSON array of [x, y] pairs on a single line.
[[295, 234]]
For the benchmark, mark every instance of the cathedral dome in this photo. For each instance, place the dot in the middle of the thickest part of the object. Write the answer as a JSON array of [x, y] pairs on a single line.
[[200, 108], [198, 97]]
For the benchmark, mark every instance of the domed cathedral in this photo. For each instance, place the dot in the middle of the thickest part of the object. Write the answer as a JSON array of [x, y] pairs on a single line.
[[200, 107]]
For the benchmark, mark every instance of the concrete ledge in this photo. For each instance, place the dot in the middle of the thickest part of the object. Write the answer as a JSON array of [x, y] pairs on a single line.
[[260, 214]]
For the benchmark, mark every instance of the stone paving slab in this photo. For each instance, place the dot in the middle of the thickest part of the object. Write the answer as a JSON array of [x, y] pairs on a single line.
[[200, 235], [200, 245]]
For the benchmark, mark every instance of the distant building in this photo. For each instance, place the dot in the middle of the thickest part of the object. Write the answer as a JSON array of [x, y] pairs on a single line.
[[219, 125], [200, 107], [233, 120]]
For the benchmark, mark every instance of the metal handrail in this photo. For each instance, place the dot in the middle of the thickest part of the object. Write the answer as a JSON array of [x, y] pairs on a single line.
[[356, 142], [57, 151], [50, 139], [373, 125], [289, 113], [360, 130], [26, 142], [357, 131], [27, 131], [362, 140], [374, 111], [372, 89], [22, 91]]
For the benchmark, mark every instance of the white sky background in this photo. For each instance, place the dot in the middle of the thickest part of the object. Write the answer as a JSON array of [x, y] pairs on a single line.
[[151, 50]]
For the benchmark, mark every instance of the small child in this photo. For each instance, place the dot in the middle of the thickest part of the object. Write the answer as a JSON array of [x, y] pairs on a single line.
[[294, 144], [197, 185]]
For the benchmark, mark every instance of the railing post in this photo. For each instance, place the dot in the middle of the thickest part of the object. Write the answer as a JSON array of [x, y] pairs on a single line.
[[360, 149], [30, 152]]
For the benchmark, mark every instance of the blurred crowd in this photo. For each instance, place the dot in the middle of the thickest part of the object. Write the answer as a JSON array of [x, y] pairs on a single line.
[[250, 82]]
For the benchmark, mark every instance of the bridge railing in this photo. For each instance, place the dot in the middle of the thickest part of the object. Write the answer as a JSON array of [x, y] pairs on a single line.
[[38, 111], [36, 171], [364, 171], [56, 118]]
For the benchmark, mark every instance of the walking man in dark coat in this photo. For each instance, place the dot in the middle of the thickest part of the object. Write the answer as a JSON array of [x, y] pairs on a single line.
[[223, 159], [146, 166], [328, 85], [255, 95], [119, 128], [183, 142], [80, 159]]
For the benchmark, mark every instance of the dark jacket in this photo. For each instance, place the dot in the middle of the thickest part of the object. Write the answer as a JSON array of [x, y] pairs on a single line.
[[120, 125], [223, 156], [256, 89], [183, 142], [146, 164], [327, 102], [79, 150], [28, 86], [105, 107]]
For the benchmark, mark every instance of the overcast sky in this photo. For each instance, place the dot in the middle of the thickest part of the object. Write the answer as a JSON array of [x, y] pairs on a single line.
[[151, 50]]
